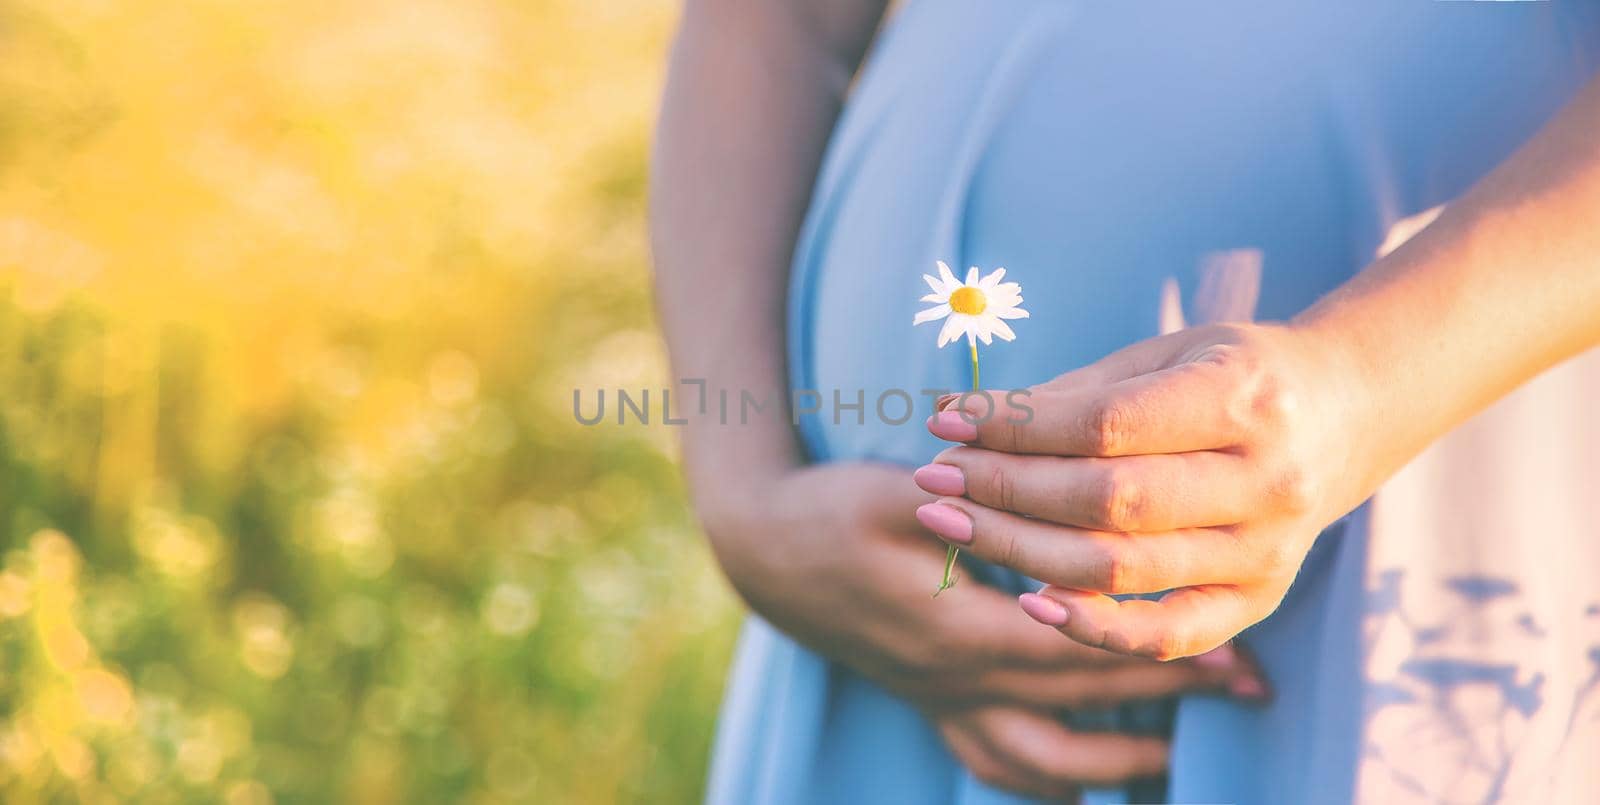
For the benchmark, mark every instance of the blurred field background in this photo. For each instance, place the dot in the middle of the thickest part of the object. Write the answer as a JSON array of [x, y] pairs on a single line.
[[293, 296]]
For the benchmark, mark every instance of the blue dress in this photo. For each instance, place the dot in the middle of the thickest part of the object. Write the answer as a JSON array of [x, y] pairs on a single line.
[[1106, 154]]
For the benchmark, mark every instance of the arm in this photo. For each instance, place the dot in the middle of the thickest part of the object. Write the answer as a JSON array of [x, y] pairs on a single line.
[[753, 92], [1206, 462], [1509, 277]]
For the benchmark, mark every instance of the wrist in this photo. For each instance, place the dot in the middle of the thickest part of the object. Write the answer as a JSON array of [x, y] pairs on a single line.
[[1383, 419]]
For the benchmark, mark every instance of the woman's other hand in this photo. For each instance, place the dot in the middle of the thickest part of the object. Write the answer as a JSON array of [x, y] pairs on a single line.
[[1029, 752], [834, 556]]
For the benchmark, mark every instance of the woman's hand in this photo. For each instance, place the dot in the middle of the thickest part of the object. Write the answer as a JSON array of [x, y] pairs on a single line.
[[1029, 752], [1203, 462], [834, 556]]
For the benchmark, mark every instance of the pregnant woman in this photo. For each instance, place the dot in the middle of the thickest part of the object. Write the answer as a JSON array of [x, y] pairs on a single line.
[[1367, 538]]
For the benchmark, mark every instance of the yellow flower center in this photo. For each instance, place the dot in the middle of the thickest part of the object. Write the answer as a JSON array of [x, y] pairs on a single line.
[[968, 300]]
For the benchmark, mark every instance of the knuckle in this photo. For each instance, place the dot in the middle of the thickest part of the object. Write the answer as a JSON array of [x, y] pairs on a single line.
[[1272, 401], [1256, 394], [1116, 641], [1278, 558], [1166, 643], [1169, 643], [1000, 487], [1008, 550], [1016, 433], [1102, 638], [1001, 433], [1237, 359], [1119, 500], [1107, 425], [1113, 571], [1295, 489]]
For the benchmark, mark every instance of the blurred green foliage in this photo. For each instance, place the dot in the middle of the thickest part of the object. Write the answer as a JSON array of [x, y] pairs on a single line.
[[293, 297]]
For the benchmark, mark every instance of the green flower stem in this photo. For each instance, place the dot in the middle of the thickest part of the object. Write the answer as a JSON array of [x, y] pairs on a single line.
[[952, 551]]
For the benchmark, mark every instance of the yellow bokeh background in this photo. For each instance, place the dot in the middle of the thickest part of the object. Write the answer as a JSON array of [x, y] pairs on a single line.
[[293, 298]]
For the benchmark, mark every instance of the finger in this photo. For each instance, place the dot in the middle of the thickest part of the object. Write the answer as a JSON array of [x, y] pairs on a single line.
[[1061, 759], [1137, 359], [1011, 658], [1133, 360], [1131, 493], [1221, 670], [1181, 623], [1189, 407], [974, 751], [1102, 561], [984, 627]]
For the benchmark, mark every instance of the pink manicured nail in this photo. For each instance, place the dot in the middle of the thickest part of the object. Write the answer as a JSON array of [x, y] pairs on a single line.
[[1248, 687], [952, 426], [1221, 658], [1047, 611], [941, 479], [950, 523]]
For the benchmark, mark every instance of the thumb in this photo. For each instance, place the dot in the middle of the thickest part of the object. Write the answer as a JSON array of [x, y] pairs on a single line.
[[1142, 358]]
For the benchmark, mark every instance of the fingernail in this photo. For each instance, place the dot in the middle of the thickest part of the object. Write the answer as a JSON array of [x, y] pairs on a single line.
[[1248, 687], [1047, 611], [940, 479], [952, 426], [1221, 658], [950, 523], [944, 401]]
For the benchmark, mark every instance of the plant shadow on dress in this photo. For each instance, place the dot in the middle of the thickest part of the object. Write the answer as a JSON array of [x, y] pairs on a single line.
[[1466, 685]]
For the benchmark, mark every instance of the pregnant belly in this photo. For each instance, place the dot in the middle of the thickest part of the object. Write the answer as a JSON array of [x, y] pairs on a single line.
[[987, 135]]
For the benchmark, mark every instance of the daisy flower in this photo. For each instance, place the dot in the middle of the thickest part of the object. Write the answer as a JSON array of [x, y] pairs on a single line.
[[977, 307]]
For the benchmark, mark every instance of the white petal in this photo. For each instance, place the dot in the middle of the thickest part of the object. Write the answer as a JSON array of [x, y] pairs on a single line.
[[935, 284], [934, 297], [1002, 329], [977, 330], [988, 283], [1003, 300], [1011, 313], [1008, 288], [952, 328], [972, 276], [949, 278], [931, 314]]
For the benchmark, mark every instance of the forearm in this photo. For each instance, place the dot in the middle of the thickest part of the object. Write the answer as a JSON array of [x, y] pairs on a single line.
[[753, 90], [1505, 284]]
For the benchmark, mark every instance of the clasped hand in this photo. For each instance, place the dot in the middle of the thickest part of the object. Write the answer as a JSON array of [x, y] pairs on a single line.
[[832, 555]]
